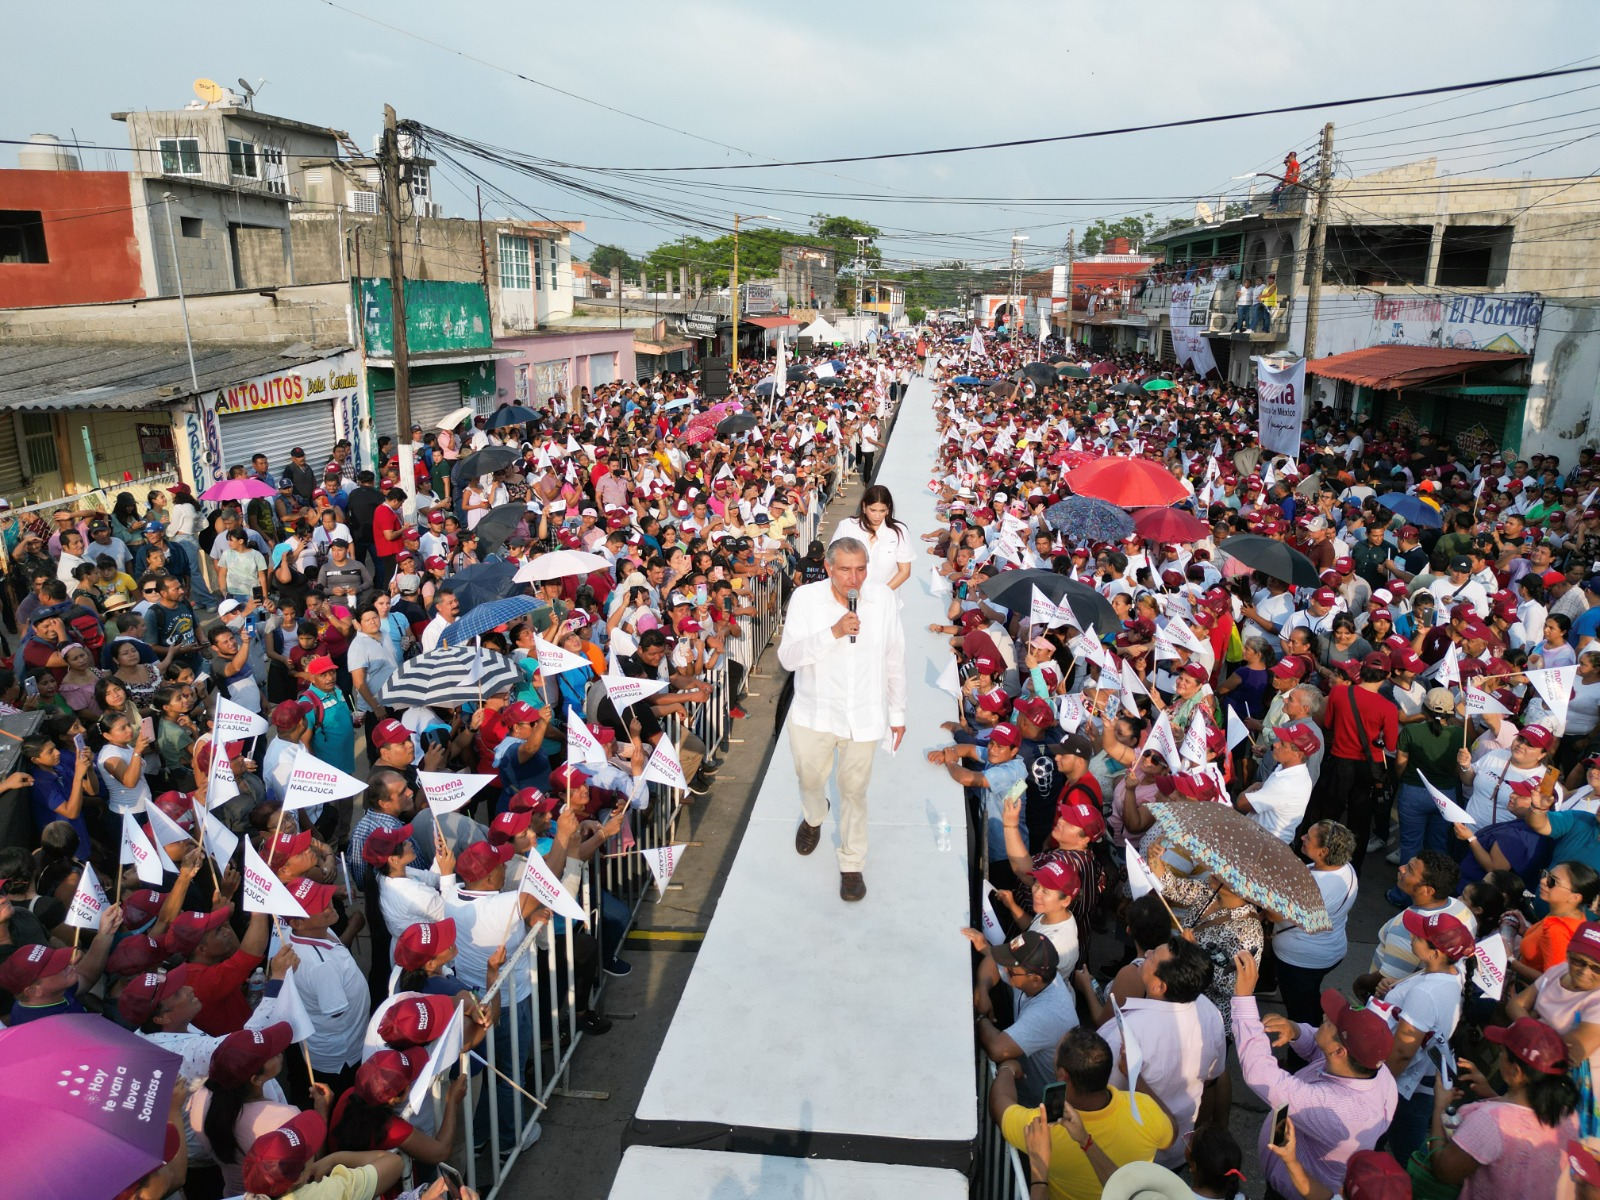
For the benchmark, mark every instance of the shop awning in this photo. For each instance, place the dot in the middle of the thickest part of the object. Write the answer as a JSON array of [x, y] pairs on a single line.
[[1477, 389], [1390, 368], [768, 322]]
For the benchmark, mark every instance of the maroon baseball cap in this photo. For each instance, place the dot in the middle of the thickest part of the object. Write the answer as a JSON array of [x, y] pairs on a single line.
[[1375, 1175], [390, 733], [479, 860], [1377, 661], [1194, 671], [1005, 734], [286, 845], [1363, 1032], [388, 1075], [1292, 667], [531, 799], [383, 844], [1532, 1043], [1344, 565], [1301, 736], [1191, 785], [288, 714], [242, 1054], [141, 907], [567, 776], [314, 897], [188, 929], [142, 993], [1586, 940], [416, 1019], [1536, 735], [996, 700], [1036, 709], [1326, 597], [1086, 817], [423, 941], [507, 825], [29, 964], [135, 954], [277, 1159], [1441, 931], [1058, 875]]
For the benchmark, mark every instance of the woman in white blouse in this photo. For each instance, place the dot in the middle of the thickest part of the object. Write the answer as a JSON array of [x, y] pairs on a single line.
[[887, 542]]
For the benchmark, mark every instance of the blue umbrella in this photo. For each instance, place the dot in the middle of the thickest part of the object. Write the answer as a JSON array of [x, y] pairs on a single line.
[[1082, 519], [1412, 510], [764, 388], [967, 380], [680, 402], [482, 583], [836, 363], [511, 414], [486, 617]]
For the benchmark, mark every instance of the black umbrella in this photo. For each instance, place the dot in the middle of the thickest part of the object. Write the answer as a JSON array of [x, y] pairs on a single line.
[[484, 582], [1271, 558], [1002, 388], [497, 524], [511, 414], [1014, 590], [833, 381], [765, 387], [1072, 371], [1041, 373], [1056, 360], [1128, 388], [485, 462], [737, 422], [794, 373]]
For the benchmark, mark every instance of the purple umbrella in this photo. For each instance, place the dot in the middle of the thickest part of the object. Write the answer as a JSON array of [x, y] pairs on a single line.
[[89, 1100], [238, 489]]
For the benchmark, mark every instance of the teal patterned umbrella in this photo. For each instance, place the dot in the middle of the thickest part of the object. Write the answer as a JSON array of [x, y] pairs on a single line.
[[1247, 858]]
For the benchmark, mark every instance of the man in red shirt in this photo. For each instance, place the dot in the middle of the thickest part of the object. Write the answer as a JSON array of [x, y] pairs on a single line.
[[220, 964], [1362, 727], [388, 535]]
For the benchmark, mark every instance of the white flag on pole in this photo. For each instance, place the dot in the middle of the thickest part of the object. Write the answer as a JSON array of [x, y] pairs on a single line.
[[233, 723], [992, 932], [624, 691], [1481, 703], [664, 766], [1238, 731], [1179, 634], [1448, 808], [950, 678], [1194, 738], [314, 782], [220, 841], [1448, 671], [136, 849], [1130, 682], [582, 745], [553, 660], [88, 902], [164, 829], [938, 585], [1071, 713], [662, 861], [1554, 685], [263, 890], [287, 1006], [446, 791], [1492, 966], [1140, 881], [442, 1056], [1162, 742], [220, 783], [539, 882], [1132, 1056]]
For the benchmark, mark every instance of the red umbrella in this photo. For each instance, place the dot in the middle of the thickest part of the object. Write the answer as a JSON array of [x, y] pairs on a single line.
[[1126, 482], [1103, 368], [1169, 525], [1073, 458]]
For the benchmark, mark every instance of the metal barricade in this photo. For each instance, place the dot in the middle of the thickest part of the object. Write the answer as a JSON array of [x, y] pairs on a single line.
[[1001, 1170]]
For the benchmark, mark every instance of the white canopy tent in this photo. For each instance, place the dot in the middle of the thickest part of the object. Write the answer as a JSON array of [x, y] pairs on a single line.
[[820, 331]]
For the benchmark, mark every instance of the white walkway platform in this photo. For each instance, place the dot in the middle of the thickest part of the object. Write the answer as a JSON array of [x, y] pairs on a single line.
[[812, 1027], [658, 1173]]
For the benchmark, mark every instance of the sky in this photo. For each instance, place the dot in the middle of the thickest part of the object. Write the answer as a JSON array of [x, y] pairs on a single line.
[[739, 82]]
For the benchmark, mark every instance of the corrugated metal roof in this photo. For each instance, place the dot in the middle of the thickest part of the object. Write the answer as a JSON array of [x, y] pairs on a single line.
[[1389, 368], [48, 375]]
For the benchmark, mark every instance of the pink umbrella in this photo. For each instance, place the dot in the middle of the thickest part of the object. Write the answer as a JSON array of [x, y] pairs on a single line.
[[89, 1102], [696, 434], [238, 489], [1103, 368]]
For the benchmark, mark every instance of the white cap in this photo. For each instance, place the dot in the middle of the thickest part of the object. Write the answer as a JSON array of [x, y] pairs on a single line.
[[228, 606]]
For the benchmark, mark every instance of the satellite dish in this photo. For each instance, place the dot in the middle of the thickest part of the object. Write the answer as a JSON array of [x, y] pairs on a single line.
[[248, 90], [208, 91]]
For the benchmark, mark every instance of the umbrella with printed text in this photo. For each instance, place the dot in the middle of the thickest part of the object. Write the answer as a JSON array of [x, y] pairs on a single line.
[[1250, 860], [1271, 557], [1169, 525], [85, 1104], [238, 489], [1126, 482]]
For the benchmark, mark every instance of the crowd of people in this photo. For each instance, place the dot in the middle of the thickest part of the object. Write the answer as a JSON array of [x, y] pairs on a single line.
[[1380, 657], [303, 602]]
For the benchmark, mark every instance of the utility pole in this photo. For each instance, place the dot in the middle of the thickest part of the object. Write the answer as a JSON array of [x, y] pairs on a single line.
[[483, 252], [1067, 285], [390, 167], [733, 283], [860, 266], [1319, 240], [1015, 297]]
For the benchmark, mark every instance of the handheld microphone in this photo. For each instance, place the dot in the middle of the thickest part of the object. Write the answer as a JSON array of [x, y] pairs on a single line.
[[852, 596]]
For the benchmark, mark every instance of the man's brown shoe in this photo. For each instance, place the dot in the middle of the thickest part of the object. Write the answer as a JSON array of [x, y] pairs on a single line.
[[807, 837], [852, 886]]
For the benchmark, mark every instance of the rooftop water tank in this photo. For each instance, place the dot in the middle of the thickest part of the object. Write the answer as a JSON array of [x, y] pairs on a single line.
[[46, 152]]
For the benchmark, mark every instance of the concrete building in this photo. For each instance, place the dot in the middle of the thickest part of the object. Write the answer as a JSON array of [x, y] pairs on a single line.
[[1494, 280]]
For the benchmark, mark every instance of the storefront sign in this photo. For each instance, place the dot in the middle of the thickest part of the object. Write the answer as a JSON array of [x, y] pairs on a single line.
[[757, 298], [440, 315], [698, 325], [1504, 324], [295, 386]]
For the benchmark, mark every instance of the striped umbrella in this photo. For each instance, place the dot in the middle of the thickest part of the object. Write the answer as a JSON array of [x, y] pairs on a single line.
[[1252, 862], [449, 677], [486, 617]]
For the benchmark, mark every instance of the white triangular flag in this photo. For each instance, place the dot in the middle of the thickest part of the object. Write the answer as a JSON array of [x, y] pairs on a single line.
[[1132, 1055], [164, 831], [664, 766], [443, 1054], [1491, 969], [1179, 634], [288, 1006], [992, 932], [220, 783], [950, 678], [1161, 741], [1448, 808], [1042, 610], [543, 886], [263, 890], [1481, 703], [1448, 670], [662, 861], [1194, 738], [1554, 685], [315, 782], [220, 841], [446, 791], [624, 691], [1238, 731], [233, 723], [938, 584], [582, 745], [1071, 712], [475, 671], [1140, 881], [553, 660], [1130, 682], [88, 902], [136, 849]]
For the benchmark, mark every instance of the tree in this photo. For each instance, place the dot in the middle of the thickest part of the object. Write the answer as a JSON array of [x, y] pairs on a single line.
[[1100, 232], [606, 257]]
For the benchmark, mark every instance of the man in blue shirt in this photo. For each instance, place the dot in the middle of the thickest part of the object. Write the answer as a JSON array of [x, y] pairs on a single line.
[[1000, 772]]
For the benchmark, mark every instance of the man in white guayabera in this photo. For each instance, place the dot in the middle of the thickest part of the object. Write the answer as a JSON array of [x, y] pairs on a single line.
[[843, 640]]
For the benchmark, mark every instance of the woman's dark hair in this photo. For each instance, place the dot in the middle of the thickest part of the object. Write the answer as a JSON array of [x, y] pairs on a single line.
[[1513, 889], [56, 872], [58, 727], [16, 870], [221, 1115], [1551, 1097], [1561, 621], [1217, 1159], [1487, 901], [1585, 880], [1148, 922], [878, 494], [1343, 622], [361, 1126], [165, 694]]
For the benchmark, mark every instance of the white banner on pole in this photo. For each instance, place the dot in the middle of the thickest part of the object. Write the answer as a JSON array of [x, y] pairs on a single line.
[[539, 882], [1448, 808], [664, 766], [624, 691], [264, 891], [220, 841], [1491, 954], [447, 792], [662, 861], [314, 782], [582, 745], [442, 1056], [136, 849], [1280, 397], [88, 902]]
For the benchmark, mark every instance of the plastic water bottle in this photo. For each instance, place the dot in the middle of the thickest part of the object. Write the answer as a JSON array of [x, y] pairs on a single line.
[[257, 986], [944, 833]]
